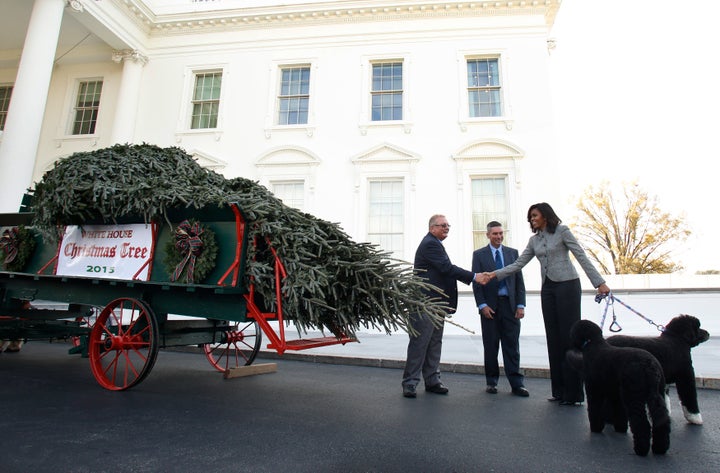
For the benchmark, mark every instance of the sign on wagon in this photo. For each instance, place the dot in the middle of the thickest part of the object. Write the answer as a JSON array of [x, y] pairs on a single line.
[[106, 251]]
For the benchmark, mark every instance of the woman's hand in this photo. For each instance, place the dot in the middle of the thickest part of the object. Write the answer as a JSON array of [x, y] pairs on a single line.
[[603, 289], [484, 278]]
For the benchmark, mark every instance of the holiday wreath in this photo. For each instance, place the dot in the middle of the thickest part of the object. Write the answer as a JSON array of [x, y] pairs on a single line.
[[192, 253], [17, 245]]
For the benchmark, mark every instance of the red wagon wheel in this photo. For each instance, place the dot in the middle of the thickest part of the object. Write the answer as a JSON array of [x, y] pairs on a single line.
[[239, 345], [123, 344]]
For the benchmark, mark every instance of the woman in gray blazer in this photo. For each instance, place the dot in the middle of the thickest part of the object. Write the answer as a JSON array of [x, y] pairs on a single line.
[[560, 294]]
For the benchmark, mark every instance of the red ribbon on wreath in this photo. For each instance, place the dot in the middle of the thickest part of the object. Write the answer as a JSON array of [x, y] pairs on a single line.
[[189, 244], [10, 243]]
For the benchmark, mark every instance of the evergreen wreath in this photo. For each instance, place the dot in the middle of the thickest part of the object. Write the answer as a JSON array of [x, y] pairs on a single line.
[[17, 245], [191, 255]]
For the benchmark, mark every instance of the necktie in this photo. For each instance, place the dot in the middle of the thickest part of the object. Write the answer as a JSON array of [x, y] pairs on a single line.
[[499, 265]]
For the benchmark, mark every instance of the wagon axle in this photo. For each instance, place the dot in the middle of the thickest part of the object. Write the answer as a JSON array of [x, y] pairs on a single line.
[[123, 342]]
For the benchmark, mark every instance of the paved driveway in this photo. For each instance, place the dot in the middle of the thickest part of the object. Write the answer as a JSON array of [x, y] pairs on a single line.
[[307, 417]]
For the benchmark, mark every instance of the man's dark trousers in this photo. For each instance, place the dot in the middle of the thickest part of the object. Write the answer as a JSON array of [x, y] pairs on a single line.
[[505, 328], [423, 353]]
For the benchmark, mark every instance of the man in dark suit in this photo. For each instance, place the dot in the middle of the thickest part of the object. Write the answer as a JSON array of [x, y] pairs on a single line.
[[424, 348], [501, 305]]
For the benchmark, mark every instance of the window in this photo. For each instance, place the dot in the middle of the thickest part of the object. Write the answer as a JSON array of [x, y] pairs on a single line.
[[294, 97], [206, 100], [386, 215], [87, 106], [5, 93], [483, 82], [292, 193], [387, 91], [489, 202]]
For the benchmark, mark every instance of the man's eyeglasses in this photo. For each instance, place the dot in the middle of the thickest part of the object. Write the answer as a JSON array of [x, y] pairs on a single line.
[[444, 225]]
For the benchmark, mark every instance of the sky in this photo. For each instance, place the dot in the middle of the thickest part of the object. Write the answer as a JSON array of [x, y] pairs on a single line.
[[636, 96]]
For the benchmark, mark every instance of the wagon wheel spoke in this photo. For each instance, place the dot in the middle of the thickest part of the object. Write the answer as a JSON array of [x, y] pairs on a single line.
[[123, 344], [239, 345]]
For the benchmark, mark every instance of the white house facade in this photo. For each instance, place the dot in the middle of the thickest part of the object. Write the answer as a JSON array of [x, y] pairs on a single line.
[[372, 114]]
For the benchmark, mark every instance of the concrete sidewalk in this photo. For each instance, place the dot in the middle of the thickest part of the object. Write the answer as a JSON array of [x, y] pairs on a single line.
[[464, 354]]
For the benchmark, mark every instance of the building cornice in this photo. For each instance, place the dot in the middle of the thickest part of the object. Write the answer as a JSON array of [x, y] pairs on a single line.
[[208, 17]]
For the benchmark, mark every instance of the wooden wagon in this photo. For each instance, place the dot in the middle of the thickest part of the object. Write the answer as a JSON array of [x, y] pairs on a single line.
[[120, 323]]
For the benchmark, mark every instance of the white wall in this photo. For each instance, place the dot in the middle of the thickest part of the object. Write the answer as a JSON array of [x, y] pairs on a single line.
[[659, 307], [433, 51]]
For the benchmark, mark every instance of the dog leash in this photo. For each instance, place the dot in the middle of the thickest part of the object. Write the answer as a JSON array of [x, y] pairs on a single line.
[[615, 327]]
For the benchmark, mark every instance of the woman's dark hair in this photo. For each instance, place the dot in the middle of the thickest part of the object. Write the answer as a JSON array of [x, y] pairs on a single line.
[[551, 218]]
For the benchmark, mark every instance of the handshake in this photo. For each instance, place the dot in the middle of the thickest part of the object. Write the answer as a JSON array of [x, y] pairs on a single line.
[[483, 278]]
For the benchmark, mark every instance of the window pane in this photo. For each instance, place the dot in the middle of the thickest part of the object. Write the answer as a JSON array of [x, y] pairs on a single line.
[[293, 111], [387, 92], [5, 93], [387, 76], [292, 193], [386, 215], [207, 86], [489, 202], [483, 72], [483, 77], [387, 107], [484, 103], [205, 115], [206, 100], [87, 105], [294, 98]]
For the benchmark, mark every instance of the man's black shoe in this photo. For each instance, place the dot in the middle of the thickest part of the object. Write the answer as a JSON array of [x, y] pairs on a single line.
[[409, 391], [438, 388], [521, 391], [491, 390]]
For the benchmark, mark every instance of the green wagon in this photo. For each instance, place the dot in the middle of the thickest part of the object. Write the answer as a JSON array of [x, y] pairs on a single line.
[[121, 323]]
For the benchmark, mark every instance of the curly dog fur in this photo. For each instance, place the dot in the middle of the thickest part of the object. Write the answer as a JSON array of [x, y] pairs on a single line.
[[631, 380], [672, 350]]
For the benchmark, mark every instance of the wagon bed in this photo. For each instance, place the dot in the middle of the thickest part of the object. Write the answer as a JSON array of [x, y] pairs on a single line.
[[120, 324]]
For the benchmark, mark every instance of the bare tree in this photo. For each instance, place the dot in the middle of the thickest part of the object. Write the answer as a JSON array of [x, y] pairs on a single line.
[[630, 234]]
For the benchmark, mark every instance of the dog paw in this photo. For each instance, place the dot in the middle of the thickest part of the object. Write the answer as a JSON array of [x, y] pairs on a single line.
[[661, 448], [692, 418], [642, 448]]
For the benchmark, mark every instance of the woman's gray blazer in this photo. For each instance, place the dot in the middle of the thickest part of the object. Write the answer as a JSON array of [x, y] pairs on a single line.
[[553, 252]]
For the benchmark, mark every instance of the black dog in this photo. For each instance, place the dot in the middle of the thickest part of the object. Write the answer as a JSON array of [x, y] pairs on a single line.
[[672, 350], [630, 380]]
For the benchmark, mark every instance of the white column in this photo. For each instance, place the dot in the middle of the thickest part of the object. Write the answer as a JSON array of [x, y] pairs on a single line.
[[27, 105], [123, 130]]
